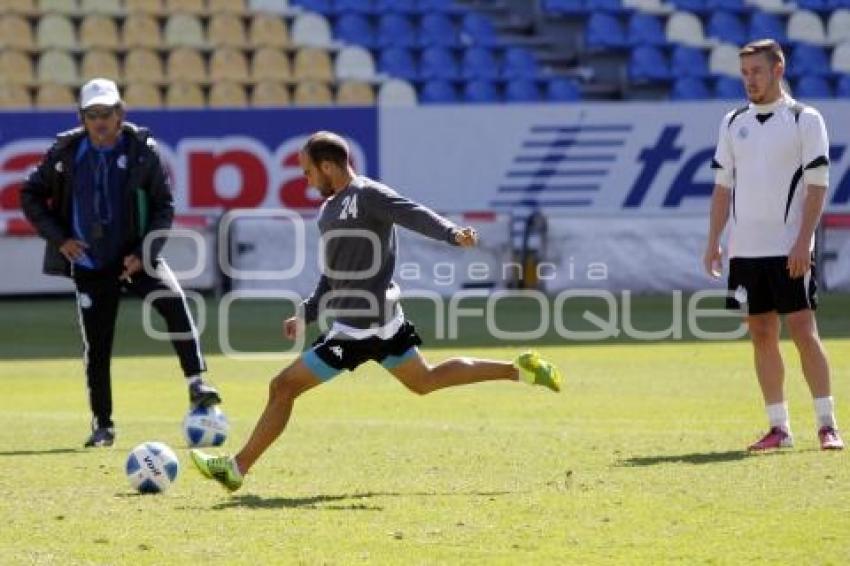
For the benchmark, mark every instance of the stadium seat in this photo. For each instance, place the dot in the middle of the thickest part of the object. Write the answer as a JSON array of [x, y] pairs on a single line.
[[226, 30], [736, 6], [21, 7], [269, 6], [690, 88], [185, 64], [57, 66], [838, 27], [438, 92], [184, 95], [106, 7], [143, 65], [842, 89], [438, 29], [183, 30], [430, 6], [396, 30], [841, 58], [809, 60], [354, 63], [724, 60], [562, 89], [519, 63], [100, 63], [480, 63], [693, 6], [355, 93], [645, 29], [354, 29], [270, 94], [313, 64], [149, 7], [99, 31], [477, 29], [228, 64], [142, 95], [270, 63], [55, 31], [604, 31], [729, 88], [14, 96], [16, 67], [234, 7], [320, 6], [685, 28], [810, 86], [54, 96], [141, 30], [688, 62], [806, 27], [603, 5], [774, 6], [311, 30], [397, 92], [312, 93], [647, 63], [227, 94], [522, 90], [398, 62], [63, 7], [764, 25], [16, 33], [195, 7], [726, 27], [648, 6], [816, 5], [481, 91], [564, 6], [397, 6], [365, 7], [268, 30], [438, 63]]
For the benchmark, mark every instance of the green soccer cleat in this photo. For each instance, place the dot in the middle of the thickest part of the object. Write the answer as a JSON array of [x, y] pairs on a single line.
[[534, 370], [219, 468]]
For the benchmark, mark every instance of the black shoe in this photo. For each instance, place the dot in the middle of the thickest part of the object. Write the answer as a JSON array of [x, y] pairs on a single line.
[[101, 437], [202, 394]]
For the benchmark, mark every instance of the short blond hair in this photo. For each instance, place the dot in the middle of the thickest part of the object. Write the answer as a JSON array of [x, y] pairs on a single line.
[[769, 47]]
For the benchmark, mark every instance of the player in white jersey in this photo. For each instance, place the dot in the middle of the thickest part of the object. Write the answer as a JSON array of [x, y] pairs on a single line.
[[771, 176]]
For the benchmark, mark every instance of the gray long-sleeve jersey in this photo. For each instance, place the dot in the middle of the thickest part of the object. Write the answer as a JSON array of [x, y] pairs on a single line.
[[360, 246]]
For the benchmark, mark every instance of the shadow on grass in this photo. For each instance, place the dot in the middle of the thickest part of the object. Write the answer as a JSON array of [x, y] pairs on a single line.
[[355, 501], [693, 458], [47, 452]]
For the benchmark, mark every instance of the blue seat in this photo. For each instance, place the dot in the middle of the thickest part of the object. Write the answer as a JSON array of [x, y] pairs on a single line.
[[480, 63], [438, 92], [519, 63], [481, 92], [430, 6], [564, 6], [727, 27], [395, 6], [648, 63], [811, 86], [522, 90], [696, 6], [763, 25], [395, 30], [816, 5], [398, 62], [438, 63], [438, 29], [321, 6], [688, 61], [810, 60], [356, 29], [737, 6], [645, 29], [730, 88], [354, 6], [603, 31], [843, 87], [562, 89], [690, 88], [478, 30], [603, 5]]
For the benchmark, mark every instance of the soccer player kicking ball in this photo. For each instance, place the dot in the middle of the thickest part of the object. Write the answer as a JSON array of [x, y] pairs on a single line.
[[772, 172], [357, 223]]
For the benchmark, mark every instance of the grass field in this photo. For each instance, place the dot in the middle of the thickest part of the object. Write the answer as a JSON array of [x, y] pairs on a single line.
[[639, 460]]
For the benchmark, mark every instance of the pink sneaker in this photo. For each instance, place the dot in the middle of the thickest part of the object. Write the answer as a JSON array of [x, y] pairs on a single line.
[[830, 439], [775, 438]]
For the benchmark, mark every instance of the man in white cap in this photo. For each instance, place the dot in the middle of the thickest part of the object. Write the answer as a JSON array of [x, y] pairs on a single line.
[[99, 191]]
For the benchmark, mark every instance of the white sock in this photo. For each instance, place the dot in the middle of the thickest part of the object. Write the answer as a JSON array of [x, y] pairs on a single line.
[[825, 411], [777, 414], [235, 467], [193, 379]]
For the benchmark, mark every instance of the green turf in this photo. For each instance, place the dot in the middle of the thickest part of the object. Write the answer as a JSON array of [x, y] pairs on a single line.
[[639, 460]]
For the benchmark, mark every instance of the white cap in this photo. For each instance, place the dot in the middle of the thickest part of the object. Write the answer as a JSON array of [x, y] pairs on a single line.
[[99, 92]]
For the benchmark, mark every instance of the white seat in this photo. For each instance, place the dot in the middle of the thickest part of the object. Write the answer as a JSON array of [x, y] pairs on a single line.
[[397, 92], [184, 30], [686, 28], [724, 60], [354, 63], [841, 58], [806, 27], [838, 27], [108, 7], [773, 6], [648, 6], [311, 30], [271, 6], [55, 30]]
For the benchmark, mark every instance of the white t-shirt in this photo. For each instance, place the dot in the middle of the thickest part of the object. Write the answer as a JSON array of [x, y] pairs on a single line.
[[767, 155]]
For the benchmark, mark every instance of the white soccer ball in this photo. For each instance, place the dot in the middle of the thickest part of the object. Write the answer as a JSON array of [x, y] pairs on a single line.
[[152, 467], [205, 426]]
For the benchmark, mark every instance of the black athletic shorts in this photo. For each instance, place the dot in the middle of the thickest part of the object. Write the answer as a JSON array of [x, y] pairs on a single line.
[[762, 284]]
